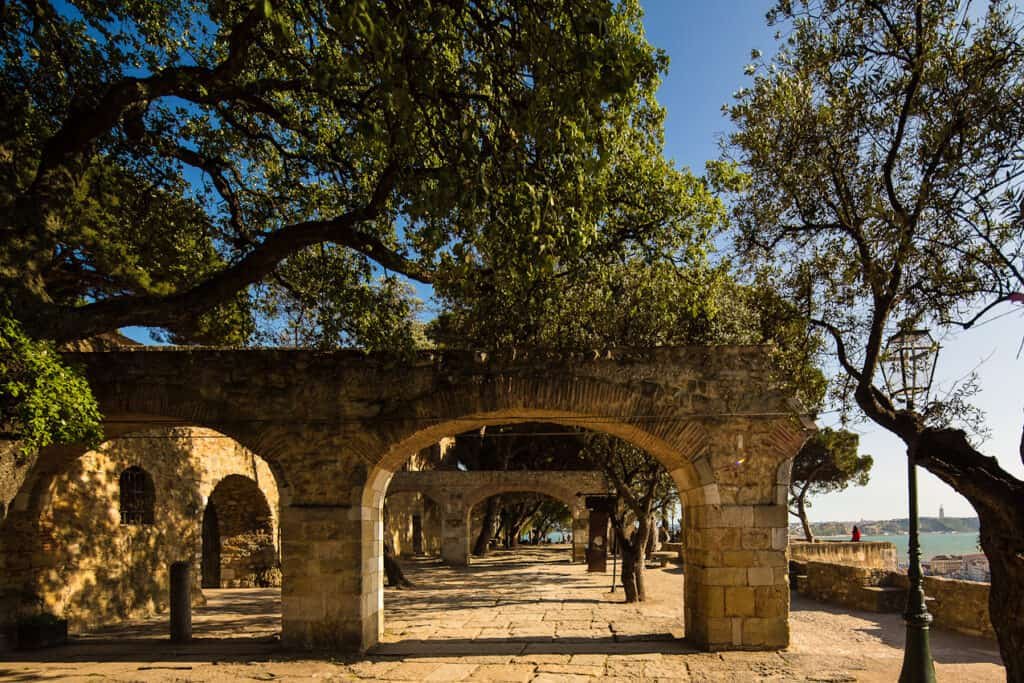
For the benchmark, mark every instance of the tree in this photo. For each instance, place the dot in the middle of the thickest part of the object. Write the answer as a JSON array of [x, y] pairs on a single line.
[[642, 487], [827, 463], [883, 151], [552, 514], [159, 158]]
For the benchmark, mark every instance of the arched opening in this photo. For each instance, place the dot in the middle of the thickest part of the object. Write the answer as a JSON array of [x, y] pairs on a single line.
[[507, 521], [526, 516], [210, 569], [239, 527], [96, 531]]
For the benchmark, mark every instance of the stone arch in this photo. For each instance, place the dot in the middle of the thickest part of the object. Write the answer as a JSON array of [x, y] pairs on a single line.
[[580, 516], [685, 457], [245, 544], [64, 544], [338, 424], [679, 445]]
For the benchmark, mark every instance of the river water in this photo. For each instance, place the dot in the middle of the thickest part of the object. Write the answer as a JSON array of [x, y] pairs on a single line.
[[959, 543]]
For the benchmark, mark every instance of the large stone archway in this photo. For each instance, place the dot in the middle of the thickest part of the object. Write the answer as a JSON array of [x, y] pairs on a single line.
[[334, 427], [458, 492]]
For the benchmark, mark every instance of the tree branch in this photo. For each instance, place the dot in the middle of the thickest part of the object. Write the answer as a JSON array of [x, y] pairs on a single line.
[[64, 323]]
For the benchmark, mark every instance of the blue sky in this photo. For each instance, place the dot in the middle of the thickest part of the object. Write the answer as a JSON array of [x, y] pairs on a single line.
[[709, 43]]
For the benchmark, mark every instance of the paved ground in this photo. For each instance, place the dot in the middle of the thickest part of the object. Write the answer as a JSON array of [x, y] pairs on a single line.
[[525, 616]]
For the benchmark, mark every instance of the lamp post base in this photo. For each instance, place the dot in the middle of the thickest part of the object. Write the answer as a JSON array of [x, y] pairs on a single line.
[[917, 655]]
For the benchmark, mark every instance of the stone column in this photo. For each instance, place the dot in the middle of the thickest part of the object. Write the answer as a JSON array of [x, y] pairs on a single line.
[[737, 582], [455, 534], [322, 577], [580, 530]]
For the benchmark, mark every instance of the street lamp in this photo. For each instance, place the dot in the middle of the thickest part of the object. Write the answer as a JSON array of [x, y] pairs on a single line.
[[908, 368]]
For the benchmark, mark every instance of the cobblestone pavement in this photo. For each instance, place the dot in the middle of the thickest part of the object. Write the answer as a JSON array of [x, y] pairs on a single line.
[[522, 616]]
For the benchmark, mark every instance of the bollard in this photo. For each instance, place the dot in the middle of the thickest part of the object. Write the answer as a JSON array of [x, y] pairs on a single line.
[[181, 602]]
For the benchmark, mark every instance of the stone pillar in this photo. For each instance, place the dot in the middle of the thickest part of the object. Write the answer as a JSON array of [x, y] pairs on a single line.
[[737, 582], [580, 530], [322, 577], [181, 602], [455, 534]]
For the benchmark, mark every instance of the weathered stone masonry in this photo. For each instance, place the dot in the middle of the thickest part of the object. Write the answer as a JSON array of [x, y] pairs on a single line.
[[69, 552], [457, 493], [334, 427]]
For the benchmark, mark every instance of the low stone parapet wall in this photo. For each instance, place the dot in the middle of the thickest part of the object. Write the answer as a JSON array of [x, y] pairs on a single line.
[[873, 554], [956, 605]]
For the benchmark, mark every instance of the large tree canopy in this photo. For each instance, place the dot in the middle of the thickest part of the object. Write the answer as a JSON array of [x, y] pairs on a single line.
[[884, 147], [158, 158]]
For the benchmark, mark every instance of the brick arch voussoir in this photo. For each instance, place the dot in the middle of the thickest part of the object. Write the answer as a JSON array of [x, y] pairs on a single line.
[[435, 496], [643, 416], [480, 495]]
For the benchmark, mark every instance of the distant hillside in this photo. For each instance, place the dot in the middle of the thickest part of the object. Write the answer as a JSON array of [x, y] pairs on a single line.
[[890, 526]]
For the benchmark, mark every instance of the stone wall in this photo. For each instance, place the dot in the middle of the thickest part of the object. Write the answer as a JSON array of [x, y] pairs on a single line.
[[400, 508], [89, 567], [875, 555], [955, 605], [336, 427]]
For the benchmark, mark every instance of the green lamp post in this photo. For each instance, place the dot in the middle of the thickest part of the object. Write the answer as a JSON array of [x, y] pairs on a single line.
[[908, 369]]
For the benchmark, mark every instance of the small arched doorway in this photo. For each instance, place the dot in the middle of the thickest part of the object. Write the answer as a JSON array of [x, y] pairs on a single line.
[[211, 548], [238, 543]]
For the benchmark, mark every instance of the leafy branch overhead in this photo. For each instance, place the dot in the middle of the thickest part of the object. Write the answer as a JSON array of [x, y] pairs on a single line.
[[156, 159]]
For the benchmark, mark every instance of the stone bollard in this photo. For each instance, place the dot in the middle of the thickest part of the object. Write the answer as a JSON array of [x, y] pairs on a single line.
[[181, 602]]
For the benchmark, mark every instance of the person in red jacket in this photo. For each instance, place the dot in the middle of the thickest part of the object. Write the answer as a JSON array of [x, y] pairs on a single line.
[[856, 534]]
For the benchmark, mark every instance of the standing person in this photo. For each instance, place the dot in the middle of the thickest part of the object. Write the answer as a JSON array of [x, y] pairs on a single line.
[[856, 534]]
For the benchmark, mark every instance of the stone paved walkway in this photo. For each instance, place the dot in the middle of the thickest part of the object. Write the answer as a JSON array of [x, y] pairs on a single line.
[[524, 616]]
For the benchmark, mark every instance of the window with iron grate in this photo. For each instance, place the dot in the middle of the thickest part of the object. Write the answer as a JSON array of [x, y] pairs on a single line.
[[137, 496]]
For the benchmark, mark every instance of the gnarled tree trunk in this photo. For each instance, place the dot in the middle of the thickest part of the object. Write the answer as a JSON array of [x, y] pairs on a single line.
[[487, 530], [633, 560], [998, 498], [801, 512]]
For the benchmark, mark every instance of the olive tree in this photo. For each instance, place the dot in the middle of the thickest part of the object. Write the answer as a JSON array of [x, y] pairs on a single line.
[[883, 147]]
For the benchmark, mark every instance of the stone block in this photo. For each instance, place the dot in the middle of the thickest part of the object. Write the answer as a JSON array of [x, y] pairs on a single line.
[[756, 539], [771, 601], [780, 538], [719, 631], [711, 601], [739, 602], [725, 576], [736, 516], [761, 576], [771, 516], [738, 558]]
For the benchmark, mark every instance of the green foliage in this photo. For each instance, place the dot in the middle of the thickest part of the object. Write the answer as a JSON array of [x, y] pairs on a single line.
[[642, 485], [158, 159], [829, 462], [325, 297], [42, 400], [882, 152]]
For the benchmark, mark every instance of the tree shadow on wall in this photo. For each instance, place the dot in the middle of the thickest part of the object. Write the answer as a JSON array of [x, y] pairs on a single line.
[[98, 563]]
